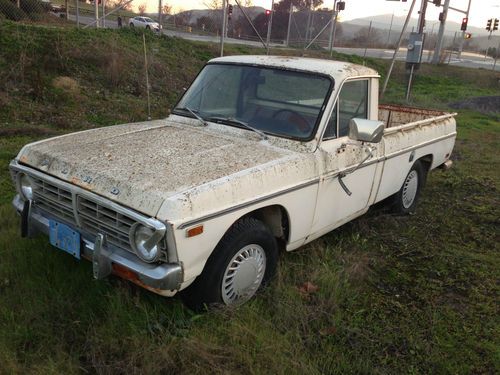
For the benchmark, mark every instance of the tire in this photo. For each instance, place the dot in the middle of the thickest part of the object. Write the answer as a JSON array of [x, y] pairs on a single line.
[[406, 199], [243, 262], [132, 25], [148, 28]]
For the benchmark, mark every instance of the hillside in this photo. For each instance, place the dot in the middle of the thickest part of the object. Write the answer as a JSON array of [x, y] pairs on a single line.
[[383, 294]]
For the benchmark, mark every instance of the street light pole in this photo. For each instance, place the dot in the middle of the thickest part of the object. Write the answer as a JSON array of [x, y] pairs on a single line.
[[461, 47]]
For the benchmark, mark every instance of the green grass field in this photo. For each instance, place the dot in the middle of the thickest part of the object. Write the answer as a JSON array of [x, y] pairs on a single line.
[[416, 294]]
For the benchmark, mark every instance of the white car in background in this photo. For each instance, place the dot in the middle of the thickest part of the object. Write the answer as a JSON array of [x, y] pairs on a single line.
[[145, 22]]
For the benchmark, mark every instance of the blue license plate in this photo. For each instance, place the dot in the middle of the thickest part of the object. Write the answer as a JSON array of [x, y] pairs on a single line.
[[65, 238]]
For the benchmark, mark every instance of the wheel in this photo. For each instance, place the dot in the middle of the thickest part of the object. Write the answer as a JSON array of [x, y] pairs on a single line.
[[131, 24], [243, 261], [296, 119], [148, 28], [405, 200]]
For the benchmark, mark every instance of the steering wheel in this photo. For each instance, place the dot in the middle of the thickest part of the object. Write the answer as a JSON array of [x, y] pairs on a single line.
[[296, 119]]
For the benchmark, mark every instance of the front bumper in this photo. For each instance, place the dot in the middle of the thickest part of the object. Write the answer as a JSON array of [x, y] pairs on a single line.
[[164, 278]]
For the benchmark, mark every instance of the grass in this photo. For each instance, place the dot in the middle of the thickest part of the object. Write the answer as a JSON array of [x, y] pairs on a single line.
[[414, 294]]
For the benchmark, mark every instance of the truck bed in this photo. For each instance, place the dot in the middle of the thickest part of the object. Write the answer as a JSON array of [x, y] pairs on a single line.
[[395, 115]]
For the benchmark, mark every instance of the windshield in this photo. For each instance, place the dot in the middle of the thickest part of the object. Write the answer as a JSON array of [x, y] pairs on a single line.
[[148, 19], [274, 101]]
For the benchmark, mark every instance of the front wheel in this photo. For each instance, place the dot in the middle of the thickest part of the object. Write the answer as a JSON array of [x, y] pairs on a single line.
[[243, 261], [405, 200]]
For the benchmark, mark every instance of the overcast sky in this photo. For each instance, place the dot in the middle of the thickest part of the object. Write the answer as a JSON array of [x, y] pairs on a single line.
[[481, 10]]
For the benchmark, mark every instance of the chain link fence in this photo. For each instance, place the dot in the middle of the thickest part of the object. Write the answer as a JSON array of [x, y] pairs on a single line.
[[294, 24]]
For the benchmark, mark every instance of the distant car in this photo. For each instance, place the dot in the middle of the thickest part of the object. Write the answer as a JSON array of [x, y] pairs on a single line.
[[145, 22]]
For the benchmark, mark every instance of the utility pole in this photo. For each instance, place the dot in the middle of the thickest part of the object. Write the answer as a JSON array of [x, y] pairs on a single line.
[[439, 43], [421, 18], [289, 24], [223, 31], [269, 26], [461, 46], [398, 45]]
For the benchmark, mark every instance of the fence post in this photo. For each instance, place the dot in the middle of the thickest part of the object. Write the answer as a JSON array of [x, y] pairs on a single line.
[[223, 31], [77, 13], [289, 24], [96, 11]]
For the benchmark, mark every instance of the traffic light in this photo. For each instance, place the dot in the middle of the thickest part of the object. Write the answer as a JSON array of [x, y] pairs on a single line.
[[341, 5], [464, 24], [437, 2], [230, 9], [268, 12], [488, 24], [441, 16], [495, 24], [468, 35]]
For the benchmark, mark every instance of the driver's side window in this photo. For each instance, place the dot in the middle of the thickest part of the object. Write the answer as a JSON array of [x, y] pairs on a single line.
[[352, 103]]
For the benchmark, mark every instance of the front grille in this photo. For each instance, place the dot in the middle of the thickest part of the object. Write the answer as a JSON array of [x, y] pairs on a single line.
[[53, 199], [96, 218], [91, 216]]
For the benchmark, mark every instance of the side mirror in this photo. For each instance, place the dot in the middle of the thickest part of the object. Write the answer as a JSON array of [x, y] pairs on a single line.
[[366, 130]]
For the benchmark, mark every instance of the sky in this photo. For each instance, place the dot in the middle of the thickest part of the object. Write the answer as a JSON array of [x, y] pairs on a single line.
[[481, 10]]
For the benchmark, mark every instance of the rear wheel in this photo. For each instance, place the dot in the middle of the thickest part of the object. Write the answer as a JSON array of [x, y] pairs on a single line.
[[131, 24], [243, 261], [405, 200]]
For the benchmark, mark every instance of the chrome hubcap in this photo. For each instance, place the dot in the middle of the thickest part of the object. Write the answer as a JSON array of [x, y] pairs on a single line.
[[410, 189], [244, 274]]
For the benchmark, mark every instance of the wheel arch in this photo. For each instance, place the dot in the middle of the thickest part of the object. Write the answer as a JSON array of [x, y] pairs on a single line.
[[426, 160], [275, 217]]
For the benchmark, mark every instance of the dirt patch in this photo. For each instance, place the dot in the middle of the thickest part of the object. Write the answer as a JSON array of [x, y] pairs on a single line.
[[483, 104], [66, 84]]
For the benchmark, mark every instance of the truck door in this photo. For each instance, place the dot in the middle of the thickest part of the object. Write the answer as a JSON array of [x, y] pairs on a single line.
[[338, 153]]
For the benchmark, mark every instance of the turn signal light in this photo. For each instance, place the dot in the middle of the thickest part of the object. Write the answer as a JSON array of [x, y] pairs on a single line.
[[195, 231]]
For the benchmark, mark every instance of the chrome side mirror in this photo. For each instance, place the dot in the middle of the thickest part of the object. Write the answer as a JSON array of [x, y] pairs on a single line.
[[366, 130]]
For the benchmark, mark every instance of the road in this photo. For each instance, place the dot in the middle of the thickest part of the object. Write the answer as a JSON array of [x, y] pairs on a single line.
[[468, 60]]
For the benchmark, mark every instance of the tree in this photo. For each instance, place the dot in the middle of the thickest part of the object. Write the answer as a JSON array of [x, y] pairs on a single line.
[[142, 9], [118, 3], [166, 9], [281, 16]]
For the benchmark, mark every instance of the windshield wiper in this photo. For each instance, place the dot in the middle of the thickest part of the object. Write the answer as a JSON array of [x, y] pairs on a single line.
[[197, 116], [234, 121]]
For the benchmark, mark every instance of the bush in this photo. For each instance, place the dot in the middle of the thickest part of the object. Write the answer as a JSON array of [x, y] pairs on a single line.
[[11, 11]]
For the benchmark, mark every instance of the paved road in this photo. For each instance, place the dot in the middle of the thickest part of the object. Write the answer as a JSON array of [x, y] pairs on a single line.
[[468, 60]]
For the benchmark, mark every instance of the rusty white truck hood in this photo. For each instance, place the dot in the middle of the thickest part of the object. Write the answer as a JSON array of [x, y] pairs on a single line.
[[148, 163]]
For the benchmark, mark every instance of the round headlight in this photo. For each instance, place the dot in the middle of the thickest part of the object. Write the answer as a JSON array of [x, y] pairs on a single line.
[[143, 247], [26, 187]]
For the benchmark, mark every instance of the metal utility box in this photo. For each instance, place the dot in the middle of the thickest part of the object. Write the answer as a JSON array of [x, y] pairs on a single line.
[[415, 48]]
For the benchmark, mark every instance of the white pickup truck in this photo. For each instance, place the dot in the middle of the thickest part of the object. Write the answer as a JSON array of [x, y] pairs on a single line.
[[261, 154]]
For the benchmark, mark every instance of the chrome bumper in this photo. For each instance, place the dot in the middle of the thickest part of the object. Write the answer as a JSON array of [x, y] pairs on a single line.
[[164, 278]]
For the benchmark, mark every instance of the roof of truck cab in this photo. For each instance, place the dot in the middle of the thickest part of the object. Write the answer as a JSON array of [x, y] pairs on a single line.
[[339, 70]]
